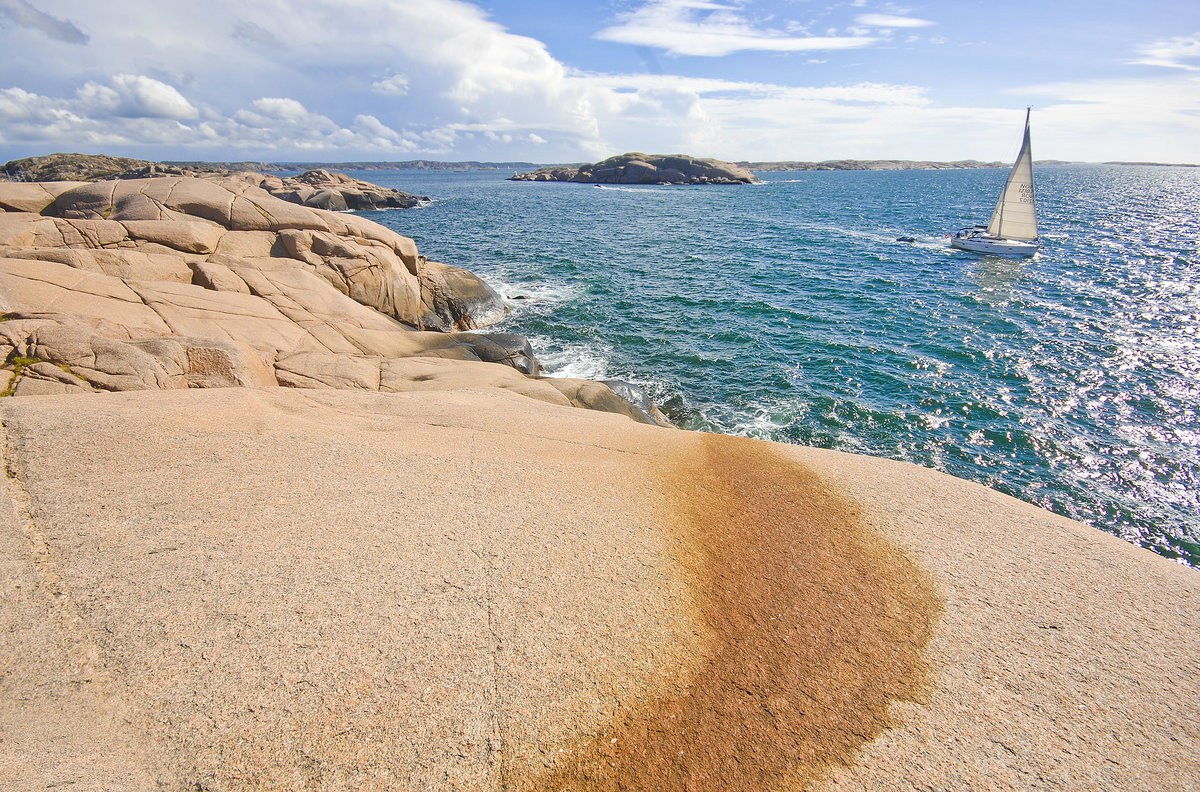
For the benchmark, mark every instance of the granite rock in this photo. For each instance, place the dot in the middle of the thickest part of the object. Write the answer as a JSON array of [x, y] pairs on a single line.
[[182, 282]]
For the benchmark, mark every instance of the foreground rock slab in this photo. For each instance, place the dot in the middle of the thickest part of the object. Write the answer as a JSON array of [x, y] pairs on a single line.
[[266, 588]]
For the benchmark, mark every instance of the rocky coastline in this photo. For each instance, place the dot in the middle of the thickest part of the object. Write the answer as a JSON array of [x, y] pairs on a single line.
[[278, 512], [184, 281], [635, 168]]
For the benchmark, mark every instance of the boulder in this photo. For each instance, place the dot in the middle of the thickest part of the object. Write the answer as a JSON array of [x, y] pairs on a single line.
[[511, 349], [31, 196], [184, 236], [338, 192], [455, 299], [639, 399], [124, 263]]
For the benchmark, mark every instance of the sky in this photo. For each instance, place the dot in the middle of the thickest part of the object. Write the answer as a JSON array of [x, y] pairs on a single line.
[[551, 81]]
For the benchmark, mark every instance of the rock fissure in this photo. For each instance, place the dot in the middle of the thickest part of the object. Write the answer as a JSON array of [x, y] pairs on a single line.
[[83, 653], [146, 302]]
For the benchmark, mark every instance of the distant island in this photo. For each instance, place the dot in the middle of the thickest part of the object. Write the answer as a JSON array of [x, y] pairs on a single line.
[[638, 168], [1155, 164], [848, 164]]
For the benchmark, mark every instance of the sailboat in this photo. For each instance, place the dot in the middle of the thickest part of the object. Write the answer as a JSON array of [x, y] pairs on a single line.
[[1012, 230]]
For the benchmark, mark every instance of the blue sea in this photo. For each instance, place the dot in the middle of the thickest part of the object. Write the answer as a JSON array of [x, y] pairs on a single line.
[[790, 311]]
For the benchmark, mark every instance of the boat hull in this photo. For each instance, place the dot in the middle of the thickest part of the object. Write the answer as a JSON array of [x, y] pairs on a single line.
[[994, 246]]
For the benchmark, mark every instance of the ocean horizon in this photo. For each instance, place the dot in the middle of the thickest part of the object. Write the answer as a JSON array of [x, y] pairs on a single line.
[[791, 311]]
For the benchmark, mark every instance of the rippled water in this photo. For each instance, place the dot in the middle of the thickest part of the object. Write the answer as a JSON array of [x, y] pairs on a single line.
[[789, 311]]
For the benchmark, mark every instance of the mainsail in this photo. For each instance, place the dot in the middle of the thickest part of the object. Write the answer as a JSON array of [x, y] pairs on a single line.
[[1015, 216]]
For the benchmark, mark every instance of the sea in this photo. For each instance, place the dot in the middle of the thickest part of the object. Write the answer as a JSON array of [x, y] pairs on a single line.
[[792, 311]]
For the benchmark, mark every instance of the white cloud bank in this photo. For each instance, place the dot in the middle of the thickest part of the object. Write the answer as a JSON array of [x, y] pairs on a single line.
[[392, 79], [1173, 53]]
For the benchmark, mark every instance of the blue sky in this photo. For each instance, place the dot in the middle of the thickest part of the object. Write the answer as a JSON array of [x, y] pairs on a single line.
[[546, 81]]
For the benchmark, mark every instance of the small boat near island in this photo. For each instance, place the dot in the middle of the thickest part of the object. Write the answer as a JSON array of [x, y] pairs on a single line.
[[1012, 231]]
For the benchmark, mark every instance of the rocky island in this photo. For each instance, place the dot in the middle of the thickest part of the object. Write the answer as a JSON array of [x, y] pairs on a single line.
[[276, 515], [644, 169]]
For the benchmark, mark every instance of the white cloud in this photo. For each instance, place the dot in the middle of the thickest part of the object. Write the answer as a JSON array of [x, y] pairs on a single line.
[[145, 97], [133, 96], [1129, 119], [460, 86], [456, 82], [890, 21], [699, 27], [396, 85], [1171, 53], [381, 136], [281, 108]]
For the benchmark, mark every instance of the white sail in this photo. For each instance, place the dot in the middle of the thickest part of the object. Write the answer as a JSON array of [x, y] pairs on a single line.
[[1015, 216]]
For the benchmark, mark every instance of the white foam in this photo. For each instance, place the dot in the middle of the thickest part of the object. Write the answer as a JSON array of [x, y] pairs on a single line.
[[518, 293], [573, 359]]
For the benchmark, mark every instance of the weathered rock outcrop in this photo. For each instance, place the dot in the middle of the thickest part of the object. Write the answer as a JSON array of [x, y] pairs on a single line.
[[319, 189], [336, 192], [645, 169], [84, 167], [182, 282]]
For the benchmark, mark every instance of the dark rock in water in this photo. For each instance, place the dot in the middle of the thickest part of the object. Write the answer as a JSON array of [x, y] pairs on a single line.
[[638, 399], [906, 239], [512, 349], [637, 168], [455, 299]]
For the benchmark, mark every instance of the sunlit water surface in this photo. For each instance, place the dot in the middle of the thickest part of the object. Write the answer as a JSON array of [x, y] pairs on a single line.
[[790, 311]]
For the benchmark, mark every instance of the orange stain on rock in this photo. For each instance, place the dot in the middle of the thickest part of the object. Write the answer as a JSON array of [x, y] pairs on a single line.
[[816, 624]]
